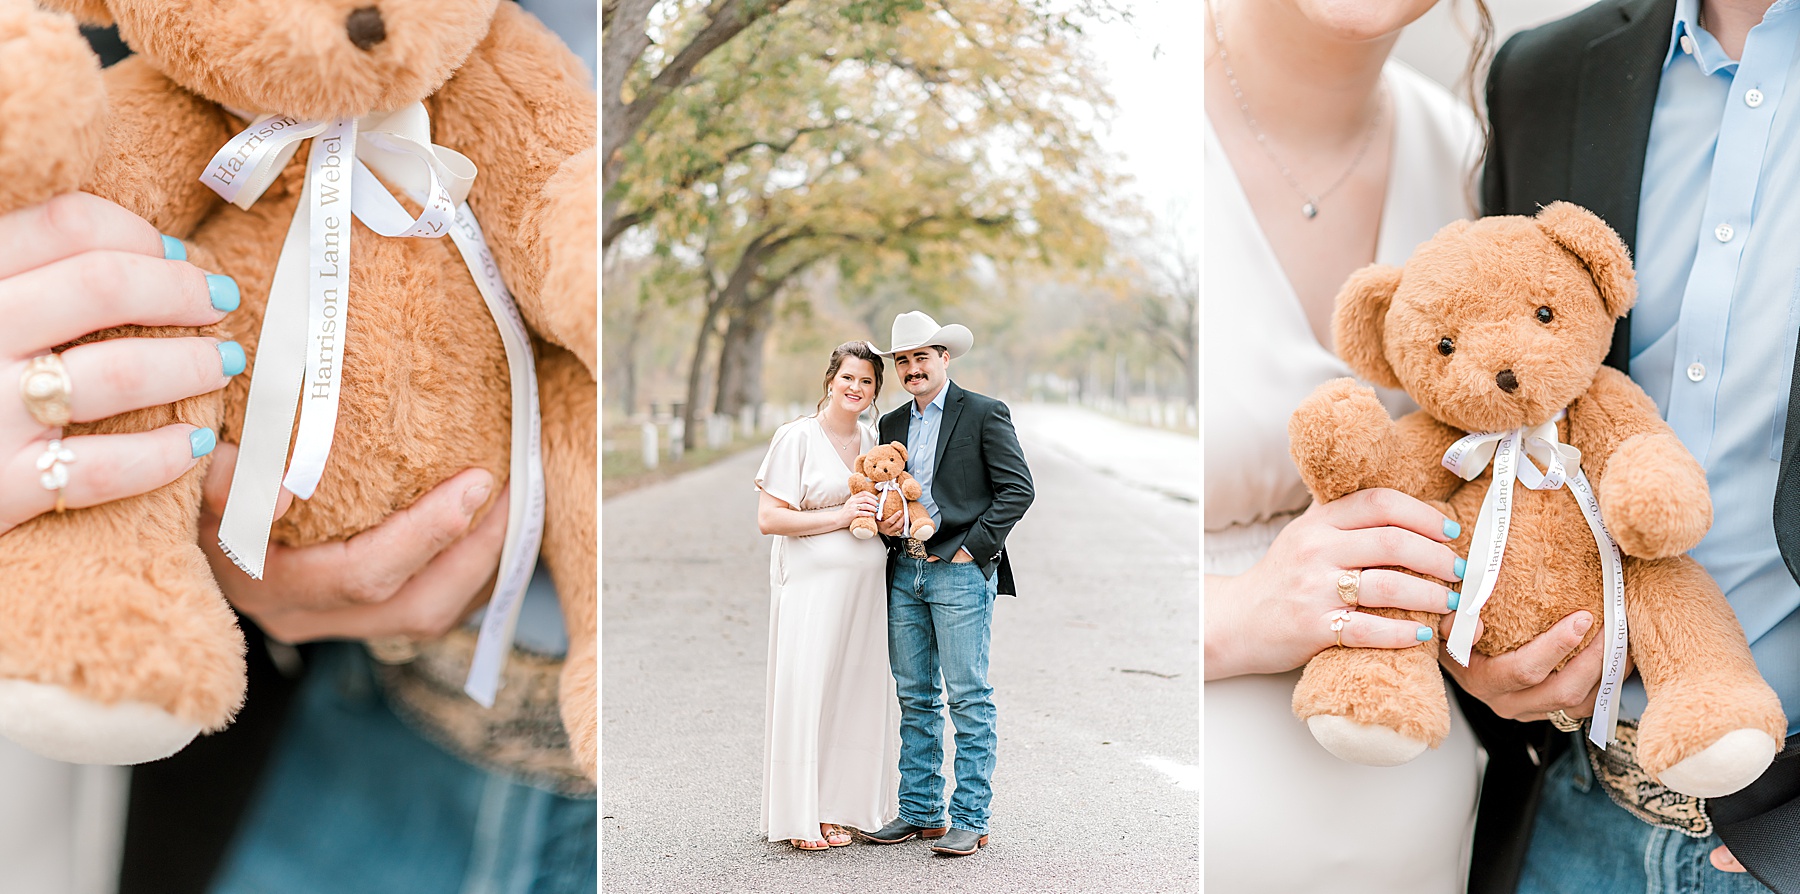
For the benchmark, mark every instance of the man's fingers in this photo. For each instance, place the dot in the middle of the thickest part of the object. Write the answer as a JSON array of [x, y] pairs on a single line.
[[1380, 506], [1531, 663], [1723, 860], [217, 487], [428, 606], [371, 566]]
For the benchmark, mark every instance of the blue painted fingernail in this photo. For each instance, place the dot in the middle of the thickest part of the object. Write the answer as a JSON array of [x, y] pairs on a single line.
[[173, 250], [1451, 528], [203, 441], [1423, 633], [232, 355], [1462, 565], [1454, 600], [224, 291]]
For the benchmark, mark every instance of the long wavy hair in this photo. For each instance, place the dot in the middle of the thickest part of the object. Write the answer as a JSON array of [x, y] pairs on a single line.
[[861, 351]]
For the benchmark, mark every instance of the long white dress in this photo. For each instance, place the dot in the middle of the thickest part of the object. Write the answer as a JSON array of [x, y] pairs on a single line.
[[1282, 814], [832, 727]]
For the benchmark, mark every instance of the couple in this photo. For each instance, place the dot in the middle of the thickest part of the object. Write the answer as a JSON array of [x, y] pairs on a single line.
[[843, 611], [1665, 117]]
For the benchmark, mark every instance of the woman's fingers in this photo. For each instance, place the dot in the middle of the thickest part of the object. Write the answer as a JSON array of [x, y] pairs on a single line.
[[67, 299], [1380, 506], [1366, 631], [1399, 547], [103, 468], [1382, 588], [69, 225], [110, 377]]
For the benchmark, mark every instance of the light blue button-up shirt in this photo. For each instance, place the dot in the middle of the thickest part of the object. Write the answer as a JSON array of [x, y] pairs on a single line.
[[1713, 333], [921, 448]]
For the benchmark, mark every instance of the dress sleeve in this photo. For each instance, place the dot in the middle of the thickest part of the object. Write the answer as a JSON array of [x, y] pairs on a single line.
[[782, 474]]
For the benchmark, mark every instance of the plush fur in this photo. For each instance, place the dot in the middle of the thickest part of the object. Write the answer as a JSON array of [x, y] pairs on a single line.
[[425, 388], [887, 462], [1480, 285]]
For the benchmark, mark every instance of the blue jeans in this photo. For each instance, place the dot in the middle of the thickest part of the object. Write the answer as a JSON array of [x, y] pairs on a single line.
[[1582, 842], [939, 615], [354, 801]]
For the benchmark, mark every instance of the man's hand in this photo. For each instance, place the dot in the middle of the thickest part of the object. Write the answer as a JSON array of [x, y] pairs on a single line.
[[415, 575], [1723, 861], [894, 525], [1524, 684], [962, 555]]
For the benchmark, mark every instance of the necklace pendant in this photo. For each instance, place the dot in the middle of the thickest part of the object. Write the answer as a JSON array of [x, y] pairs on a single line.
[[1310, 210]]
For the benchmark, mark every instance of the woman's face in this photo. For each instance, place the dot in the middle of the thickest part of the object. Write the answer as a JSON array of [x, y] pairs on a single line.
[[854, 385], [1360, 20]]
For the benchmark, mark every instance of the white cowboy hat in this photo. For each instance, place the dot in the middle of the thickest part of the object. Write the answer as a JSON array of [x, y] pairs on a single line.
[[914, 329]]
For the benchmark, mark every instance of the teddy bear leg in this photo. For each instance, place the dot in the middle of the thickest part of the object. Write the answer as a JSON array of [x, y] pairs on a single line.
[[1339, 438], [862, 528], [116, 646], [1712, 725], [919, 521], [1379, 707], [55, 102], [570, 537]]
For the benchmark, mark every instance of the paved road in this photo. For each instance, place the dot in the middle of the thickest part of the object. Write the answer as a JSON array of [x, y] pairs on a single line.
[[1095, 670]]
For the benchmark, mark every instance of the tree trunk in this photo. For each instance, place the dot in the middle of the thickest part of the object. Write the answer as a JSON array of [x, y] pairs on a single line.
[[741, 356]]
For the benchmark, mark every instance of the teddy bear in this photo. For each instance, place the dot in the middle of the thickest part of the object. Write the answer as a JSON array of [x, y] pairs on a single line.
[[882, 471], [1501, 325], [116, 645]]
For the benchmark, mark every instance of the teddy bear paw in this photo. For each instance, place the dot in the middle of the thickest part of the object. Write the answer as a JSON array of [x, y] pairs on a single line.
[[924, 531], [1363, 743], [862, 532], [1723, 767], [1654, 498], [58, 724], [51, 89], [1338, 437]]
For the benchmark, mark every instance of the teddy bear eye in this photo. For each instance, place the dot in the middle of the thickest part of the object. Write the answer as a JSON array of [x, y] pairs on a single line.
[[1544, 315], [1446, 347]]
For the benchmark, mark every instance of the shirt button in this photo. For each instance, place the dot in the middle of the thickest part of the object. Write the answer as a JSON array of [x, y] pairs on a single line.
[[1687, 44], [1723, 232], [1753, 97], [1696, 371]]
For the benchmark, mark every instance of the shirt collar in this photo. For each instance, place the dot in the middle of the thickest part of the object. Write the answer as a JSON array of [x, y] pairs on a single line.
[[1708, 54]]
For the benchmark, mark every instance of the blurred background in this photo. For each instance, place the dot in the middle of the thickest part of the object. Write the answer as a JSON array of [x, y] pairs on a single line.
[[1028, 169]]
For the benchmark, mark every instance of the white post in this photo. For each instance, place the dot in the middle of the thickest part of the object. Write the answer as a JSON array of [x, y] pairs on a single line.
[[649, 436], [747, 420], [677, 435]]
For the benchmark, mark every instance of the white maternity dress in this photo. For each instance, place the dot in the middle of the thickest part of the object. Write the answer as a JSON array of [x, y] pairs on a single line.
[[832, 728], [1282, 814]]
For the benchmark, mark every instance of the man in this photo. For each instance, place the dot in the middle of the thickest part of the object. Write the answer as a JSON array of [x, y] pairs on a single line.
[[973, 481], [1667, 118]]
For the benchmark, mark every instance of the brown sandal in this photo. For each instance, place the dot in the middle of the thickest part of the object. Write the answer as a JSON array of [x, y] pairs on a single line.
[[805, 845], [833, 832]]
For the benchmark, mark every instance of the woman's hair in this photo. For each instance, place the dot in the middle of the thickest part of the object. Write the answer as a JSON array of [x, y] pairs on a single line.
[[861, 351], [1481, 53]]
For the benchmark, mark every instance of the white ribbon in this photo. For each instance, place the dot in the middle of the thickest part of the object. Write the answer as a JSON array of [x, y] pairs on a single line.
[[882, 489], [341, 181], [1512, 454]]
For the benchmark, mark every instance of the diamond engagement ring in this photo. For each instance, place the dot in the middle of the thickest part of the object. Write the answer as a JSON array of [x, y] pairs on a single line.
[[54, 469], [1563, 722], [44, 387], [1347, 584], [1338, 619]]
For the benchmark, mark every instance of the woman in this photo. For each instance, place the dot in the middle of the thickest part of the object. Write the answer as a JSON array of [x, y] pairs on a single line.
[[832, 721], [1322, 156], [62, 823]]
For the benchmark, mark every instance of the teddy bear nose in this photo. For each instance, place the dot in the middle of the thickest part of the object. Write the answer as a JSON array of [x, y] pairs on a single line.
[[1507, 381], [366, 28]]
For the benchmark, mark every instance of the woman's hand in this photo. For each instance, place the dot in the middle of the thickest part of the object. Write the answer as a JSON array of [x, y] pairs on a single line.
[[862, 505], [1278, 615], [73, 266]]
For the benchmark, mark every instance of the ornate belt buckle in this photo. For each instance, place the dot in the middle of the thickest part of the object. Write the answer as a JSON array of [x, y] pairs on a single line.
[[1626, 783], [916, 549]]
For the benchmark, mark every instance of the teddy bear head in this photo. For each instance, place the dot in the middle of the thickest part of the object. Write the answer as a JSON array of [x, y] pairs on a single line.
[[1492, 324], [883, 462], [313, 59]]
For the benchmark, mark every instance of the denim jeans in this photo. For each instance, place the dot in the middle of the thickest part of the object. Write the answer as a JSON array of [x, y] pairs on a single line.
[[939, 615], [1582, 843], [354, 801]]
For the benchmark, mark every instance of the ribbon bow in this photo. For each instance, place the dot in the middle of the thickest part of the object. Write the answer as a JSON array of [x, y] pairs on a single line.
[[1512, 454], [301, 349]]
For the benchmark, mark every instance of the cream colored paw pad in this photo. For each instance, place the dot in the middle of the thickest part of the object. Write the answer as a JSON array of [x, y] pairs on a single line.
[[1362, 743], [57, 724]]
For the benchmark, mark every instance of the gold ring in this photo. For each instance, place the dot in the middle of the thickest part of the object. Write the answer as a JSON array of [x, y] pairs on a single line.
[[1348, 584], [44, 387], [1338, 619], [1562, 721], [54, 470]]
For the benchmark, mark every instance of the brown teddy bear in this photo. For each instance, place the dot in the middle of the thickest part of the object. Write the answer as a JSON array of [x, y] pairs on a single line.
[[111, 617], [882, 471], [1495, 326]]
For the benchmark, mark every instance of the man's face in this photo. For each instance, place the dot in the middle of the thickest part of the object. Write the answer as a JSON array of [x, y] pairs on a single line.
[[923, 370]]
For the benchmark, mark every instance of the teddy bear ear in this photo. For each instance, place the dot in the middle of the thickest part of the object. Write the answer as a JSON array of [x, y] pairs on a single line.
[[1587, 237], [902, 448], [1356, 323], [87, 12], [857, 466]]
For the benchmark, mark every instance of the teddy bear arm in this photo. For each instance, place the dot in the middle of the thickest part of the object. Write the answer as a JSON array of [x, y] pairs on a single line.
[[571, 529], [51, 89], [1340, 439], [521, 109], [1416, 464], [1652, 491], [860, 483], [909, 487], [160, 138]]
